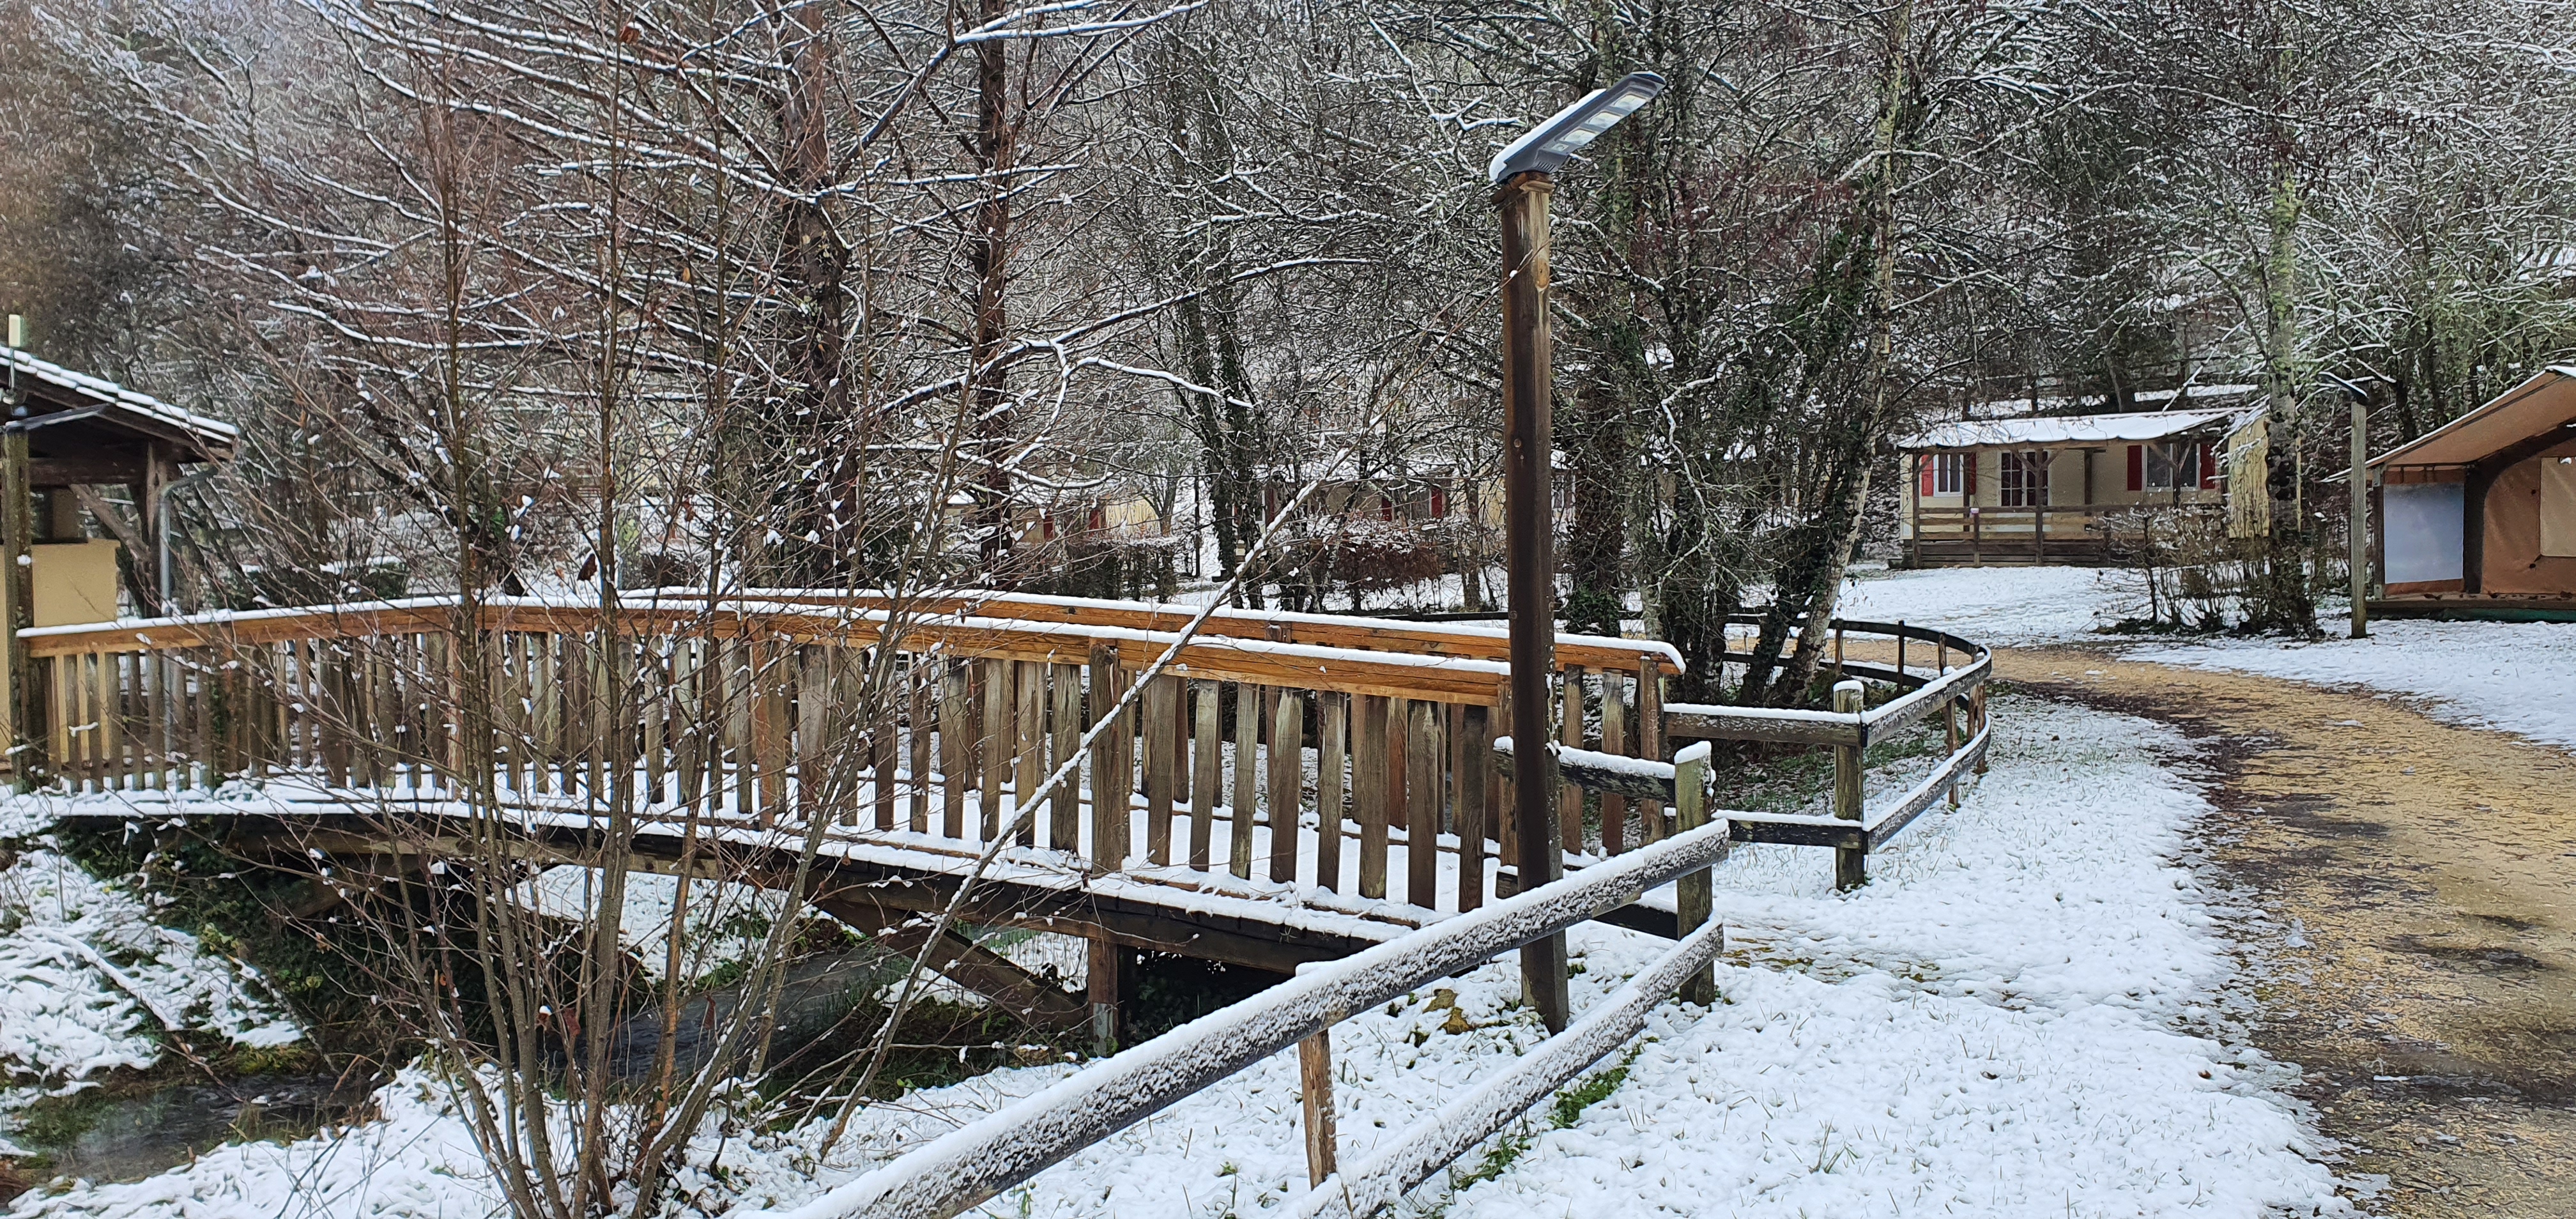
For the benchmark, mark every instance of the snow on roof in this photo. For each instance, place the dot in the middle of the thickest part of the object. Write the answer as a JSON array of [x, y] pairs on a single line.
[[214, 432], [2062, 429], [2544, 402]]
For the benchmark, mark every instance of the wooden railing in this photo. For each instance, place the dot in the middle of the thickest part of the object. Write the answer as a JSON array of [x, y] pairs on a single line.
[[2034, 532], [784, 706], [778, 708]]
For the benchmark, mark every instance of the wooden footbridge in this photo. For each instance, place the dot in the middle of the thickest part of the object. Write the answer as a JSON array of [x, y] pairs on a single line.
[[1286, 789], [911, 727]]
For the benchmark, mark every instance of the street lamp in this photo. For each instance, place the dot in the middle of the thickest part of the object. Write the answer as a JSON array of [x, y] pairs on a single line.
[[1521, 171]]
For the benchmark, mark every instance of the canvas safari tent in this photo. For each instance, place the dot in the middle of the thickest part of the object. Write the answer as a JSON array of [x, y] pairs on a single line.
[[2478, 517]]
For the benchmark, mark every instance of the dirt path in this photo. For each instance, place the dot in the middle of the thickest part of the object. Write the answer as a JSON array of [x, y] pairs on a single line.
[[2424, 877]]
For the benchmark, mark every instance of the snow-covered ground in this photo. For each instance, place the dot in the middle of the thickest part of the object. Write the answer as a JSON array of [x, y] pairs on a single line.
[[1998, 605], [88, 982], [2516, 676], [2017, 1017]]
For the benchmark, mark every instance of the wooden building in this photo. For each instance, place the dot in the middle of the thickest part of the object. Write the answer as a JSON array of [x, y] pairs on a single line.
[[65, 435], [2477, 518], [2037, 489]]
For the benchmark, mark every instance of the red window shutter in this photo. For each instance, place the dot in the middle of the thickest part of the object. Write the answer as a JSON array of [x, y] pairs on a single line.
[[2137, 467], [2208, 466], [1386, 507], [1968, 477], [1439, 501], [1924, 462]]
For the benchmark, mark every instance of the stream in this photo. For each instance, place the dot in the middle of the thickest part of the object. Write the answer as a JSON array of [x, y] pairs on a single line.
[[101, 1137]]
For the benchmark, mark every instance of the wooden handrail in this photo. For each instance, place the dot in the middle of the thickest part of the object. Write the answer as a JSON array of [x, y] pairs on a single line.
[[979, 1160]]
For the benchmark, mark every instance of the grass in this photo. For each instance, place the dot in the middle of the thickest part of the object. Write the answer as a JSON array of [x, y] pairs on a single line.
[[1563, 1113]]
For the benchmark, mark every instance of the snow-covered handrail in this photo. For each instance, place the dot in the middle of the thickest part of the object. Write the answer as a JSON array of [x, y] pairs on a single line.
[[979, 1160]]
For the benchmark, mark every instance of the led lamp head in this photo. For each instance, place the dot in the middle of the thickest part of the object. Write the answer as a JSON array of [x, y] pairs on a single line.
[[1545, 147]]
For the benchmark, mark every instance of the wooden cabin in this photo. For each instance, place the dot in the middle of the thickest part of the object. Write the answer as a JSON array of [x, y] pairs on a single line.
[[2037, 489], [67, 434], [2477, 518]]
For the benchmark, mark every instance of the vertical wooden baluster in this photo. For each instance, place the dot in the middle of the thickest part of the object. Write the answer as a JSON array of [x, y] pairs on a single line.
[[1030, 739], [690, 724], [1476, 754], [804, 670], [1287, 784], [848, 675], [1498, 789], [1650, 740], [995, 772], [1207, 768], [1179, 714], [1569, 798], [1064, 809], [1162, 754], [201, 719], [954, 698], [917, 676], [1109, 818], [775, 676], [1614, 739], [1399, 774], [1423, 757], [1331, 753], [1247, 772], [156, 727], [657, 693], [1369, 790]]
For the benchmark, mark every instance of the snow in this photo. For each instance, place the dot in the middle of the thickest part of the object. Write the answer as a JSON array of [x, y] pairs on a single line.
[[2513, 676], [2019, 1016], [2001, 606], [88, 980], [2061, 429]]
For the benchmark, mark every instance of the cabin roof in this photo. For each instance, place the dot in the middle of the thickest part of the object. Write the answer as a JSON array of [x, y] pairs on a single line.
[[2063, 429], [53, 390], [2544, 403]]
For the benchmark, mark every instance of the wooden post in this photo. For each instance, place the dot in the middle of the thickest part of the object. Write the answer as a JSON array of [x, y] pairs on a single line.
[[955, 746], [1207, 769], [1474, 787], [1569, 798], [1315, 1089], [1949, 719], [1530, 558], [1422, 757], [1109, 817], [1330, 754], [1368, 790], [1695, 894], [1162, 765], [1650, 740], [1064, 811], [2357, 527], [995, 772], [917, 800], [30, 734], [1851, 864], [1247, 776], [1106, 983], [1287, 784], [1614, 739], [1031, 740]]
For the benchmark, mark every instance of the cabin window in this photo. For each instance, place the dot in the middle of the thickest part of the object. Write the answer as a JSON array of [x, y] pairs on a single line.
[[1949, 472], [2558, 507], [2173, 466], [2024, 479]]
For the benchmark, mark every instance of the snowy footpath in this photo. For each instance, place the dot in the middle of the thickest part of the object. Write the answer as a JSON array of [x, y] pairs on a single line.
[[2519, 677], [2020, 1016]]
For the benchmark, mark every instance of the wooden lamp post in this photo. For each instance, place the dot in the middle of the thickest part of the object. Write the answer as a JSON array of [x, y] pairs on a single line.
[[1520, 174]]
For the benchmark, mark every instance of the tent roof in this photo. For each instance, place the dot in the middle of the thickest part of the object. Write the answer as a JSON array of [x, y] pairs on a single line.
[[53, 389], [2063, 429], [2546, 401]]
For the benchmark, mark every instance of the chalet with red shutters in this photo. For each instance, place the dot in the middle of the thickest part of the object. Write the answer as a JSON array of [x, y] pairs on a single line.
[[2044, 489]]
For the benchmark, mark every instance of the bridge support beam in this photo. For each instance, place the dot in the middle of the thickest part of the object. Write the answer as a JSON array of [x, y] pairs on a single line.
[[1112, 976]]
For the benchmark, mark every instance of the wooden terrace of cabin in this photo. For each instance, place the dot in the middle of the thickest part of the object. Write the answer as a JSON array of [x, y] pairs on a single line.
[[2037, 489]]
